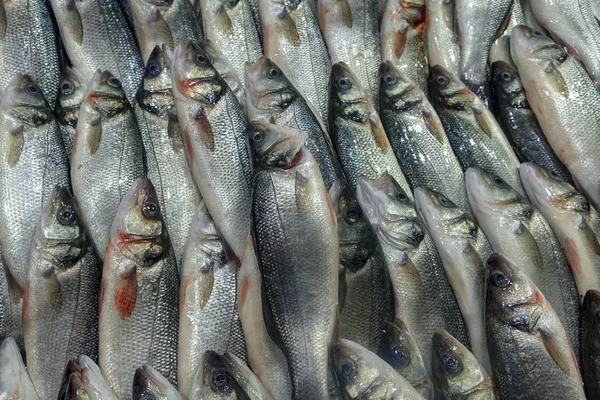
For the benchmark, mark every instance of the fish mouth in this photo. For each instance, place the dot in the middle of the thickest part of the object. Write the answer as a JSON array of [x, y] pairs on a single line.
[[108, 105], [68, 115]]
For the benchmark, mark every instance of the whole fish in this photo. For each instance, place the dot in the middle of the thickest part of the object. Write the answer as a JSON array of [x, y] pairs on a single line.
[[34, 160], [96, 35], [82, 380], [14, 380], [463, 249], [418, 137], [11, 305], [591, 344], [70, 94], [566, 102], [251, 385], [158, 23], [227, 72], [60, 308], [293, 40], [516, 229], [214, 135], [456, 372], [166, 159], [475, 136], [108, 156], [363, 375], [148, 383], [209, 317], [527, 342], [292, 213], [400, 350], [572, 219], [139, 294], [441, 38]]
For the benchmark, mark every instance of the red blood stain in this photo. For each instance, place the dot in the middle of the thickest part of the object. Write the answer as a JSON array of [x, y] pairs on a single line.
[[245, 286], [189, 151], [126, 293]]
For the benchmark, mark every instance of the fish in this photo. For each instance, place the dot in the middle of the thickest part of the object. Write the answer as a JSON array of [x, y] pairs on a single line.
[[166, 159], [441, 39], [292, 212], [245, 377], [148, 383], [138, 313], [423, 296], [11, 306], [70, 95], [208, 303], [566, 103], [400, 350], [108, 156], [572, 220], [591, 343], [225, 69], [418, 137], [463, 249], [292, 40], [216, 144], [363, 375], [60, 306], [515, 18], [526, 340], [403, 39], [457, 373], [474, 134], [96, 35], [516, 229], [33, 160], [14, 381], [500, 51], [530, 19], [158, 23], [82, 380]]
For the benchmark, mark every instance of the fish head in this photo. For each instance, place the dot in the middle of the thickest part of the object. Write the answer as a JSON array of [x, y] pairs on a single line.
[[352, 367], [91, 377], [398, 92], [148, 384], [268, 90], [70, 95], [591, 320], [448, 91], [508, 85], [105, 95], [348, 100], [390, 211], [500, 51], [530, 45], [72, 368], [156, 95], [399, 349], [275, 146], [213, 380], [24, 102], [244, 377]]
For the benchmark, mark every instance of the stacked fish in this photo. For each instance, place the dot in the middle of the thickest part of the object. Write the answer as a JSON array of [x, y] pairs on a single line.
[[309, 200]]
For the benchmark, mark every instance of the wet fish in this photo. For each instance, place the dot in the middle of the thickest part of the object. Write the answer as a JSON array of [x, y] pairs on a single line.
[[14, 381], [245, 377], [11, 303], [214, 136], [33, 161], [591, 344], [225, 69], [500, 51], [514, 19], [139, 294], [529, 18], [108, 156], [441, 38], [70, 94], [148, 383], [527, 342], [82, 380]]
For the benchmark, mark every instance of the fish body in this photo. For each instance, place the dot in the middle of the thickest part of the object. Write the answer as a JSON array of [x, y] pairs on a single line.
[[70, 94], [591, 344], [11, 307], [82, 380], [149, 383], [14, 380], [441, 38]]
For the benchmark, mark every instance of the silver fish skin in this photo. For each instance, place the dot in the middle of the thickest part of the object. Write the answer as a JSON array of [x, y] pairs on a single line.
[[529, 18], [418, 137], [138, 312], [403, 39], [214, 134], [164, 22], [244, 376], [208, 300], [11, 308], [213, 381], [60, 309], [225, 69], [566, 102], [457, 373], [596, 8], [571, 217], [463, 249], [82, 380], [14, 380], [350, 30], [33, 161], [293, 40], [292, 212], [515, 18], [70, 95], [166, 158], [149, 383], [271, 97], [591, 344], [516, 229], [474, 134], [527, 342], [423, 297], [441, 38], [28, 45], [96, 35], [363, 375], [108, 155]]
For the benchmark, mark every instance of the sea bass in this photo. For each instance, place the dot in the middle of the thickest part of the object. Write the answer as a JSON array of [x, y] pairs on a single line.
[[82, 380], [14, 380], [70, 95]]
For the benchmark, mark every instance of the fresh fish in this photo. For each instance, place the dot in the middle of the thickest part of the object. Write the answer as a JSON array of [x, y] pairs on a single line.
[[11, 304], [225, 69], [148, 383], [403, 39], [418, 137], [441, 38], [33, 161], [14, 381], [213, 381], [82, 380], [209, 317], [463, 249], [215, 139], [108, 156], [566, 102], [400, 350], [591, 344], [244, 376], [529, 18], [70, 94], [60, 309], [363, 375], [166, 159], [527, 342], [96, 35], [475, 136], [163, 22], [292, 212], [456, 372], [139, 294], [293, 40], [517, 230]]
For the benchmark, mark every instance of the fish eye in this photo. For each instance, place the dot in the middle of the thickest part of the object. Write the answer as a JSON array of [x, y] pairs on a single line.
[[585, 206], [201, 60], [389, 79], [554, 174], [452, 365], [401, 355], [221, 381], [32, 89], [444, 201], [441, 80], [153, 69], [537, 34], [348, 369], [274, 72], [343, 83], [353, 215], [500, 279], [66, 216], [401, 196], [506, 76], [257, 136], [114, 82], [151, 210], [472, 231], [499, 182], [67, 88]]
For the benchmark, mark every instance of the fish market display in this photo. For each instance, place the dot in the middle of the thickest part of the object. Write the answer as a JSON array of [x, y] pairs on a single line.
[[70, 95], [591, 343], [82, 380], [14, 381]]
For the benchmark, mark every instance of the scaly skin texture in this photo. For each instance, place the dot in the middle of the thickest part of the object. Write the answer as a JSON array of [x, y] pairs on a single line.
[[591, 344], [14, 381], [70, 94], [440, 35], [11, 306]]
